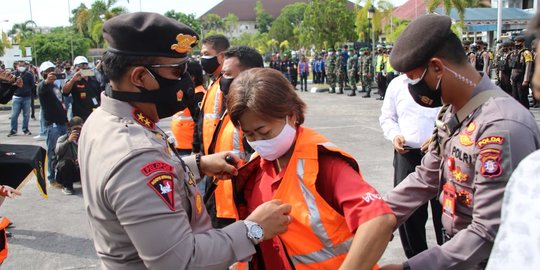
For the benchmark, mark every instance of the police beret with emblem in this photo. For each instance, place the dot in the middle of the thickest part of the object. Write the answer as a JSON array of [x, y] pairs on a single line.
[[519, 39], [148, 34], [420, 41]]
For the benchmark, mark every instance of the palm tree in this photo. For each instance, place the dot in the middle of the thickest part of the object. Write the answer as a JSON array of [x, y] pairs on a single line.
[[22, 31], [89, 21]]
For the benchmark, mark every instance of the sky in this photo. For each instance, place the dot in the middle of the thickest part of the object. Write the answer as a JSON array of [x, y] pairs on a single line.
[[56, 12]]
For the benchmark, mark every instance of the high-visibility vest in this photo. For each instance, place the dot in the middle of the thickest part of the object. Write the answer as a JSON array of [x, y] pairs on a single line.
[[4, 223], [318, 236], [229, 138], [211, 112], [183, 126]]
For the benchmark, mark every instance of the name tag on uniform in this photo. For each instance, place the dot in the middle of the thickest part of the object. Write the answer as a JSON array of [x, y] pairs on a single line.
[[449, 200]]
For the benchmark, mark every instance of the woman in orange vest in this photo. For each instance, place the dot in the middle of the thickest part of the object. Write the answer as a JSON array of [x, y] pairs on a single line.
[[338, 219], [183, 122]]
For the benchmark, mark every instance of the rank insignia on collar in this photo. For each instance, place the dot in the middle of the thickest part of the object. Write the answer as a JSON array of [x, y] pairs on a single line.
[[184, 43], [143, 120], [491, 163], [459, 175], [464, 198], [163, 185]]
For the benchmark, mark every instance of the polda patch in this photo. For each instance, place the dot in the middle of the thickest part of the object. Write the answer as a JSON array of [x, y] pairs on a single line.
[[491, 163], [156, 166], [163, 185], [490, 140]]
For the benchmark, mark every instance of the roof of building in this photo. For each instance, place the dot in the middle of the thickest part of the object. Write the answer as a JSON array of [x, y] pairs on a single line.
[[485, 19], [410, 10], [245, 9]]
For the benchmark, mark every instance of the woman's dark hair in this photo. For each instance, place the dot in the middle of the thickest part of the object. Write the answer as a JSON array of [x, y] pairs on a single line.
[[265, 92]]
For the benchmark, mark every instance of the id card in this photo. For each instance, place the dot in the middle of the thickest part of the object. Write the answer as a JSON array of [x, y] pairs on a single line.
[[449, 200]]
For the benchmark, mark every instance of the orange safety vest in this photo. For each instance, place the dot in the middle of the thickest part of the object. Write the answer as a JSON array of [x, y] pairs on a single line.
[[228, 139], [183, 126], [4, 223], [211, 112], [318, 236]]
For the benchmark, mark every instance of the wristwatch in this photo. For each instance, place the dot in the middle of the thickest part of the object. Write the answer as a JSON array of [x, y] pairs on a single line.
[[255, 232]]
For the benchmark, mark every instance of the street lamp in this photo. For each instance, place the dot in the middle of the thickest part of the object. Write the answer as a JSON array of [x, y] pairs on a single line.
[[371, 12]]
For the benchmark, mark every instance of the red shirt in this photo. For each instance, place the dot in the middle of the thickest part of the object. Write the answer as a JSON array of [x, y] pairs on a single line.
[[338, 183]]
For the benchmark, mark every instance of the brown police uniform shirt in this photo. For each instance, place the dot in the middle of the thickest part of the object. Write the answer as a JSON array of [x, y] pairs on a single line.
[[142, 202], [476, 164]]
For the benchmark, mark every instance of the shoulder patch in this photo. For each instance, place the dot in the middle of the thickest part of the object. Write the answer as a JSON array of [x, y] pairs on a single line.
[[491, 163], [163, 185], [490, 140], [528, 56], [156, 166]]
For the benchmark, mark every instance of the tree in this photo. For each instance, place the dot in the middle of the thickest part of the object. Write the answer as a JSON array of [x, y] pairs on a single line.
[[263, 20], [22, 31], [212, 22], [89, 21], [187, 19], [324, 22], [230, 22], [285, 25], [57, 44]]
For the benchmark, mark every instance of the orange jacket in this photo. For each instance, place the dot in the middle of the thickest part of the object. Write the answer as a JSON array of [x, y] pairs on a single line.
[[229, 138], [318, 236], [4, 223], [183, 126], [211, 112]]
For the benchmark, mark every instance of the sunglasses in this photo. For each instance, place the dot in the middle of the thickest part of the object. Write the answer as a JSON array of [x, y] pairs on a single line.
[[179, 69]]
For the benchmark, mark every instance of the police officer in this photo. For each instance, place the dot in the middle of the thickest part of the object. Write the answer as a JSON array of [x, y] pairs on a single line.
[[340, 71], [331, 71], [352, 69], [503, 72], [293, 69], [482, 135], [141, 198], [380, 70], [520, 62], [367, 73], [482, 57]]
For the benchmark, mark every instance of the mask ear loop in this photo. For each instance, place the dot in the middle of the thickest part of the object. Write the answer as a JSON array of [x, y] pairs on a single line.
[[461, 77]]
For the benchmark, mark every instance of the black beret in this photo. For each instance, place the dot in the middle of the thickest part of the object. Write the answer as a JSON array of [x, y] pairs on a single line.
[[466, 42], [479, 41], [420, 41], [148, 34], [519, 39], [507, 43]]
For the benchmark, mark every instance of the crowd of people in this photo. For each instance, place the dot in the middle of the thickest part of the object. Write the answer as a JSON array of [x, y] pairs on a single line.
[[244, 181]]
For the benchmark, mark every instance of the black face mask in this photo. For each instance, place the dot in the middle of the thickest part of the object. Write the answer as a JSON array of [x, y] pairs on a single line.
[[518, 46], [209, 64], [165, 98], [425, 96], [224, 84]]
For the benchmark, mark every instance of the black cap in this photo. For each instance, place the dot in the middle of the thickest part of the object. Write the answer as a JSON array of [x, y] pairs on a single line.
[[148, 34], [519, 39], [420, 41]]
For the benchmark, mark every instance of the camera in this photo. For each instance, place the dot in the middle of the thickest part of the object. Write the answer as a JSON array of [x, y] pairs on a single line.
[[60, 76]]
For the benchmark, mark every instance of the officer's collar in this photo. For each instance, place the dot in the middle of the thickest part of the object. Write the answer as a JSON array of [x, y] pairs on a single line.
[[124, 110]]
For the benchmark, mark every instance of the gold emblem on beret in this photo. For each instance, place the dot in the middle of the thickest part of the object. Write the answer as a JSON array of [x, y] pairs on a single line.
[[184, 43]]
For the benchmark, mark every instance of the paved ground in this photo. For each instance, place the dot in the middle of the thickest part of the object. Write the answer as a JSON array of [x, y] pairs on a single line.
[[54, 233]]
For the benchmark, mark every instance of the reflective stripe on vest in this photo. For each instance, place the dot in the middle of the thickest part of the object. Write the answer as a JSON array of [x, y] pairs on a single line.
[[228, 139], [211, 109], [329, 250]]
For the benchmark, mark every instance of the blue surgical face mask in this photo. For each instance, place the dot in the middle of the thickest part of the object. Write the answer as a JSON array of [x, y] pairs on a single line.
[[276, 147]]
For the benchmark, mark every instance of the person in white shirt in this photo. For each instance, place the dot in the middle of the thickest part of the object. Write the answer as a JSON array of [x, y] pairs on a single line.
[[408, 125], [516, 245]]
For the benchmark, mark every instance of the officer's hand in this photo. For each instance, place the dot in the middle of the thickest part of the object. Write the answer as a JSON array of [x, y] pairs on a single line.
[[392, 267], [399, 142], [273, 216], [216, 165]]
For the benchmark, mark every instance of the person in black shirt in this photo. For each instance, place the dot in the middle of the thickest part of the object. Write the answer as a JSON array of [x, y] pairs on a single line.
[[22, 99], [84, 89], [54, 114]]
